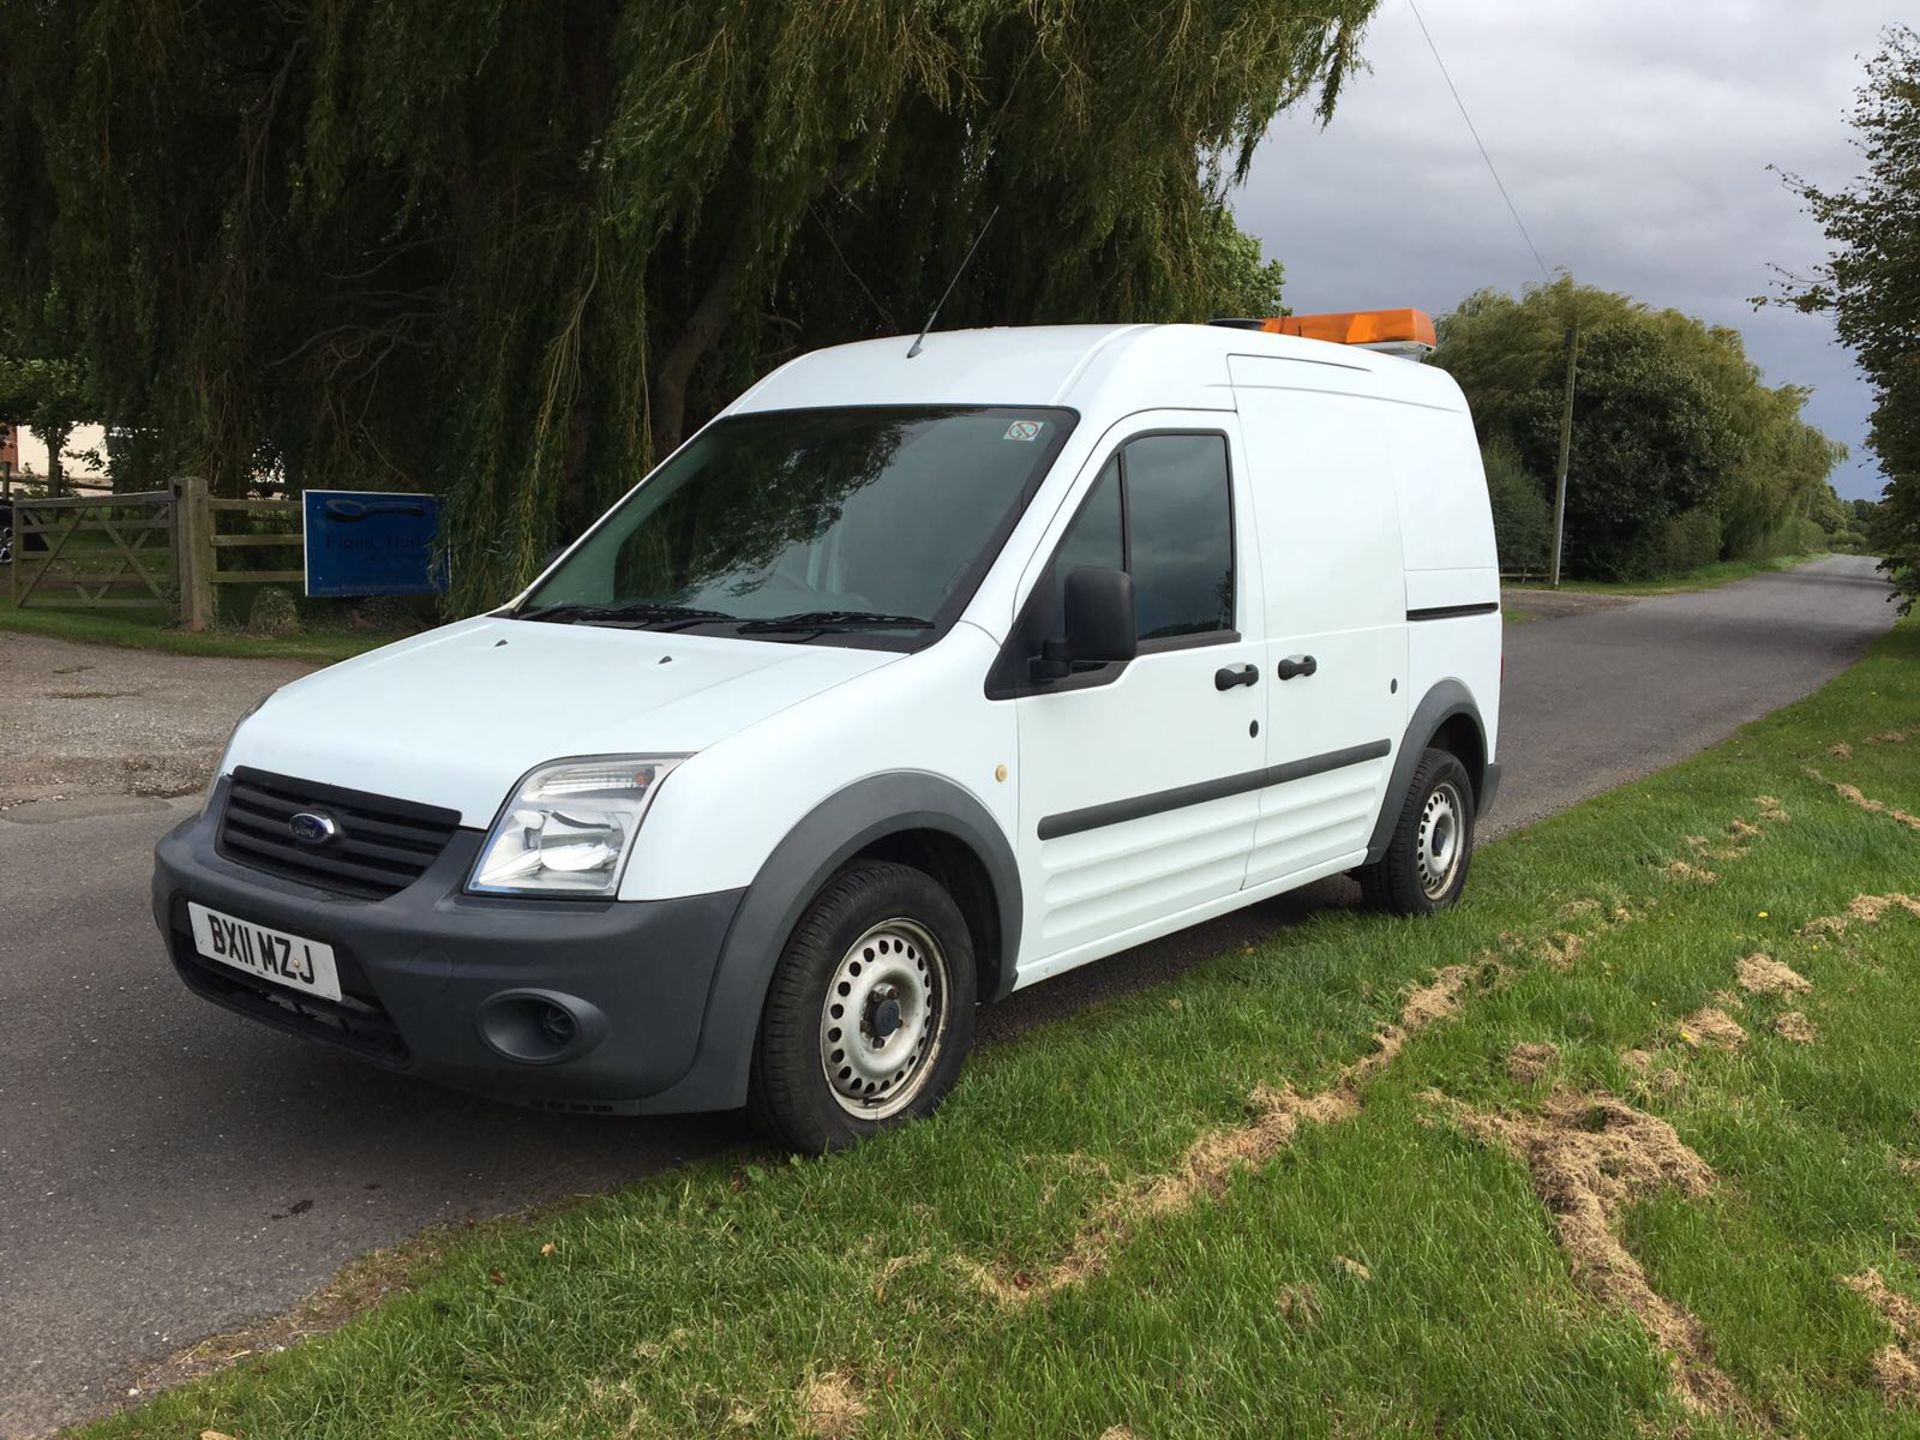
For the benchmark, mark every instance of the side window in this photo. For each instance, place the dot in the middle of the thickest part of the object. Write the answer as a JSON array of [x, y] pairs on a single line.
[[1160, 511], [1180, 534], [1096, 538]]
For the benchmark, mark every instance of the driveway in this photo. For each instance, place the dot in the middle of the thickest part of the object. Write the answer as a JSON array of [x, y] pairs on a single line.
[[86, 720], [171, 1171]]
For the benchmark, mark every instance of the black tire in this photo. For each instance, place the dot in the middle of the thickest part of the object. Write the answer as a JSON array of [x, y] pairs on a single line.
[[878, 933], [1412, 878]]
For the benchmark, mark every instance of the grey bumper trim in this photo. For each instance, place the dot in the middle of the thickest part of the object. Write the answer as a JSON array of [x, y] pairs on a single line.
[[418, 967], [1489, 788]]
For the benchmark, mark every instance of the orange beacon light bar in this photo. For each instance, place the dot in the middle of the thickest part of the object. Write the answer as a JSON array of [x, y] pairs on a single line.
[[1406, 332], [1359, 327]]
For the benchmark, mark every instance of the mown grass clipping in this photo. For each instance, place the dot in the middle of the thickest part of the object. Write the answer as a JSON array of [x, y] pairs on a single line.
[[1625, 1145]]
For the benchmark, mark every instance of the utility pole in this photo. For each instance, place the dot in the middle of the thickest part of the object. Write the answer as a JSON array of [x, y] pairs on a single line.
[[1566, 447]]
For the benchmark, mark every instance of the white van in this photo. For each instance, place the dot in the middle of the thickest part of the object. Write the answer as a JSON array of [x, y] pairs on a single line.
[[903, 684]]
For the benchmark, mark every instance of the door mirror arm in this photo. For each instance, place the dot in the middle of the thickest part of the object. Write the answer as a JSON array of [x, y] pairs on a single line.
[[1054, 662]]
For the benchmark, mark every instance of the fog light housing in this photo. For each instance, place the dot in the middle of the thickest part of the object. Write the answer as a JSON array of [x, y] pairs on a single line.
[[540, 1027]]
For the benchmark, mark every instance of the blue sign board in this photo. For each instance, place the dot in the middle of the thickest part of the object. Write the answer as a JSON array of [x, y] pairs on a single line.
[[372, 542]]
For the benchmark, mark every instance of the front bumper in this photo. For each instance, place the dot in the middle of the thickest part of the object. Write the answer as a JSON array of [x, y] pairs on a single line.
[[423, 970]]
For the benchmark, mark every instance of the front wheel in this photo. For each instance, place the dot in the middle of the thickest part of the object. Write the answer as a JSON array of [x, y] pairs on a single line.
[[870, 1013], [1425, 867]]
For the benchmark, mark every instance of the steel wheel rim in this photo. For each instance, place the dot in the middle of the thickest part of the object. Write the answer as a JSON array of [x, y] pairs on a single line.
[[893, 975], [1438, 851]]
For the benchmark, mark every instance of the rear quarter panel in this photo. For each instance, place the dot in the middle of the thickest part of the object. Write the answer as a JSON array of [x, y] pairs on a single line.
[[1446, 531]]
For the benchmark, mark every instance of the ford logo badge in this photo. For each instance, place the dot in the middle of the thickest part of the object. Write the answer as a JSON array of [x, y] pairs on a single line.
[[313, 829]]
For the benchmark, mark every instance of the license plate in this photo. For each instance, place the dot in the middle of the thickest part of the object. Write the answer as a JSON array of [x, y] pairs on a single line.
[[304, 965]]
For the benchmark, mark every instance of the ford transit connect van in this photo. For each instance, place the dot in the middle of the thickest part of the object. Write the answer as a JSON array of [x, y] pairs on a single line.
[[903, 684]]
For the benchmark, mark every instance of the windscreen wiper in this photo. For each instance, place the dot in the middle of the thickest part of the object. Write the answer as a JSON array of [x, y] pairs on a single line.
[[834, 620], [647, 613]]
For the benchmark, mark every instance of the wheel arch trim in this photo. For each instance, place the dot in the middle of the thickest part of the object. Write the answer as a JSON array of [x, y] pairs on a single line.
[[1440, 704], [834, 831]]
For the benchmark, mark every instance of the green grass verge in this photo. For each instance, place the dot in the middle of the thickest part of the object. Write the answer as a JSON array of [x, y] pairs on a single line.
[[1707, 577], [154, 630], [749, 1295]]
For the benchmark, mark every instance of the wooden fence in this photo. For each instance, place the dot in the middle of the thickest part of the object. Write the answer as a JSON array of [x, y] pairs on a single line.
[[215, 534], [173, 548]]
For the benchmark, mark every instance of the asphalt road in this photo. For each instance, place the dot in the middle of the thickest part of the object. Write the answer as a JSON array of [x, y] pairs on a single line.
[[168, 1171]]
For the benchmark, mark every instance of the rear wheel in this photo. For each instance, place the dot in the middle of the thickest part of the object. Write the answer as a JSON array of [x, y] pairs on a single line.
[[1425, 867], [870, 1013]]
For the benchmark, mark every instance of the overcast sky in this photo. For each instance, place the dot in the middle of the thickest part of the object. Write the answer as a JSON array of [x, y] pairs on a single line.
[[1634, 138]]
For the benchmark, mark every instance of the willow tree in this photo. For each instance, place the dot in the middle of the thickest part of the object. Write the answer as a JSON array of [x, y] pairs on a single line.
[[513, 252]]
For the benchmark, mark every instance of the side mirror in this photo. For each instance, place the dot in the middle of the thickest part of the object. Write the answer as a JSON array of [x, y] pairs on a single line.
[[1099, 622], [546, 561], [1099, 615]]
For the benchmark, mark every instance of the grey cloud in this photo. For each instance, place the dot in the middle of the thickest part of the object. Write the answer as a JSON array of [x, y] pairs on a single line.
[[1635, 140]]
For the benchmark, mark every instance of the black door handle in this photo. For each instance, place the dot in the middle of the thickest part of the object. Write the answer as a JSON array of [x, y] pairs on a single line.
[[1296, 665], [1228, 678]]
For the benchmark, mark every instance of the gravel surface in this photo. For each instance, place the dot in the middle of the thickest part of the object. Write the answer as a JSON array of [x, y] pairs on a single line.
[[1523, 605], [90, 720]]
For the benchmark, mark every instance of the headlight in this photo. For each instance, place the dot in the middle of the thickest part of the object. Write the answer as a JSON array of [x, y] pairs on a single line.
[[568, 828]]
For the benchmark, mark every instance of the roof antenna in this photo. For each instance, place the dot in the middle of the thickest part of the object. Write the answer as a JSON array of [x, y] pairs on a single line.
[[968, 260]]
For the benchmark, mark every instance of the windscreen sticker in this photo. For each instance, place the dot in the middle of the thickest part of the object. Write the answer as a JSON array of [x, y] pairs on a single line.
[[1023, 430]]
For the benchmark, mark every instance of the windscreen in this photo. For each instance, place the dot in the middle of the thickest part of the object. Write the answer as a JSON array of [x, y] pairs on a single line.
[[884, 513]]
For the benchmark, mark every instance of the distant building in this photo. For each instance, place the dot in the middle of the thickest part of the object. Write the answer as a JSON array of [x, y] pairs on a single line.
[[77, 457]]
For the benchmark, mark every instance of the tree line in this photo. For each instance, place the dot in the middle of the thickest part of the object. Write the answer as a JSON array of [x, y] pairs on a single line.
[[513, 254], [1681, 454]]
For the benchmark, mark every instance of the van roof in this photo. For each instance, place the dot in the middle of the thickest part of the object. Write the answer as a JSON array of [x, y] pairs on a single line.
[[1112, 369]]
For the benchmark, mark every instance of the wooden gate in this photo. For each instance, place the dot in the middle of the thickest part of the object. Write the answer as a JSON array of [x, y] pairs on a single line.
[[157, 549], [95, 551]]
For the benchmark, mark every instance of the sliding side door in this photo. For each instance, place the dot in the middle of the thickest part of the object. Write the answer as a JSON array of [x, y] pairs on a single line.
[[1336, 643]]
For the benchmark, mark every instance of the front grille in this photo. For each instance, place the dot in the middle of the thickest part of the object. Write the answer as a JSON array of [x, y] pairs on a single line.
[[381, 845]]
